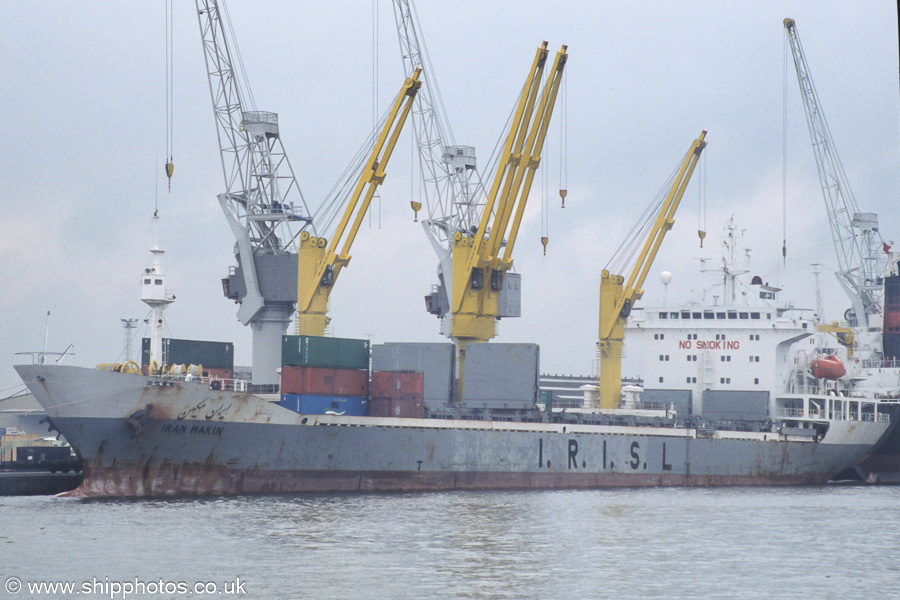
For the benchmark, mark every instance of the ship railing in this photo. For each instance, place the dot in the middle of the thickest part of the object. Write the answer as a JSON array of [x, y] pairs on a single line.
[[651, 405], [790, 412], [231, 385], [876, 417], [890, 363], [836, 414], [214, 383]]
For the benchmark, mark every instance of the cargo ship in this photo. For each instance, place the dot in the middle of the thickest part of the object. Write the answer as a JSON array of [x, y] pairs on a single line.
[[349, 416], [143, 435]]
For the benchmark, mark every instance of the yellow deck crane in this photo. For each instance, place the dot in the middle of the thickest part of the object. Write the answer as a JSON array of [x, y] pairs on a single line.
[[845, 336], [319, 263], [617, 296], [478, 267]]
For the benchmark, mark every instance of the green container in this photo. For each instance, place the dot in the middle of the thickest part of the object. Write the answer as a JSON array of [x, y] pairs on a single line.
[[212, 355], [330, 352], [547, 400]]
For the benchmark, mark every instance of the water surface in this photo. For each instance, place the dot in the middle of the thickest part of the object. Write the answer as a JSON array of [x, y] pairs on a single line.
[[837, 542]]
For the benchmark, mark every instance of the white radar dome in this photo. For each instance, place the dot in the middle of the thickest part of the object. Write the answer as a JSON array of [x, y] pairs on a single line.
[[665, 277]]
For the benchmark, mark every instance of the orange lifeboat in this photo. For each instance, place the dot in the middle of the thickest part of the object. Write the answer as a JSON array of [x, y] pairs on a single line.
[[829, 367]]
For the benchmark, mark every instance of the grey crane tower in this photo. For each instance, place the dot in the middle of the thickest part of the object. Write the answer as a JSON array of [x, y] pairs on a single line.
[[262, 200]]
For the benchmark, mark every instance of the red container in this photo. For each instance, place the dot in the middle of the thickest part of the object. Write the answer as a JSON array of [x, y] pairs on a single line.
[[404, 385], [219, 373], [323, 381], [403, 408]]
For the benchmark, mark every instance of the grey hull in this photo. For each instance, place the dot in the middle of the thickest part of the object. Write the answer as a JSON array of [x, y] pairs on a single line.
[[138, 437]]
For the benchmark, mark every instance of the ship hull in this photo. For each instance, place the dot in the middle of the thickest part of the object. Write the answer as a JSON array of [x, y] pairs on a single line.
[[140, 436]]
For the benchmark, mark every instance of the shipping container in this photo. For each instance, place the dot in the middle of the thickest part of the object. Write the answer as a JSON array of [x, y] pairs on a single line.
[[330, 352], [398, 384], [501, 376], [397, 408], [215, 355], [313, 404], [435, 360], [735, 405], [547, 400], [218, 373], [324, 381]]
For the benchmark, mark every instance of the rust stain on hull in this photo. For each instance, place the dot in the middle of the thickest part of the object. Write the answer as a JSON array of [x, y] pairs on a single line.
[[201, 480]]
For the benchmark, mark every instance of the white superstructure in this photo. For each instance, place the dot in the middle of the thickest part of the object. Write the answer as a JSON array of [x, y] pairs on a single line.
[[726, 354]]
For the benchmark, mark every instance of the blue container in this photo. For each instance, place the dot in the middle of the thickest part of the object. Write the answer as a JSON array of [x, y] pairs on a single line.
[[313, 404], [290, 402]]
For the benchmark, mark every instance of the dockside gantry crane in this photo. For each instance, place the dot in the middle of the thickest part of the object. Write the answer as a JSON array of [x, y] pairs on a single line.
[[478, 266], [262, 200], [319, 264], [451, 196], [618, 296], [279, 262], [857, 241]]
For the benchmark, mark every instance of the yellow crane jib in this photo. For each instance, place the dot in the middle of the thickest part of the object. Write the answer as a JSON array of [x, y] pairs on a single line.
[[318, 262], [844, 335], [618, 295], [478, 268]]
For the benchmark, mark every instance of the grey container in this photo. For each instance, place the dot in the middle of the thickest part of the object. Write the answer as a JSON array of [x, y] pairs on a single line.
[[501, 376], [680, 400], [331, 352], [435, 361], [735, 405]]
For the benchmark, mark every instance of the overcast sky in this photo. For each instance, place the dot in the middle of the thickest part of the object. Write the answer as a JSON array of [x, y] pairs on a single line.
[[83, 142]]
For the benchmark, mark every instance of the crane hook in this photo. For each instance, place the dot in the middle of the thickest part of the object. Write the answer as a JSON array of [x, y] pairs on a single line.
[[170, 169], [544, 241], [702, 235], [563, 194], [416, 206]]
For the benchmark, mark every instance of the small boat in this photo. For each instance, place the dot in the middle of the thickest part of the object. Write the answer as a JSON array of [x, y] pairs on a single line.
[[829, 367]]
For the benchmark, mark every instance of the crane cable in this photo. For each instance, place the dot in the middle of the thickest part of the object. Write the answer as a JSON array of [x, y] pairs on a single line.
[[170, 102], [337, 198], [564, 141], [545, 208], [625, 255], [239, 72], [784, 86], [701, 203], [375, 82]]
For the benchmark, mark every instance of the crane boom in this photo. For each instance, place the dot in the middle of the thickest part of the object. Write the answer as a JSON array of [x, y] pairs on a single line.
[[262, 201], [617, 296], [478, 267], [319, 262], [857, 242]]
